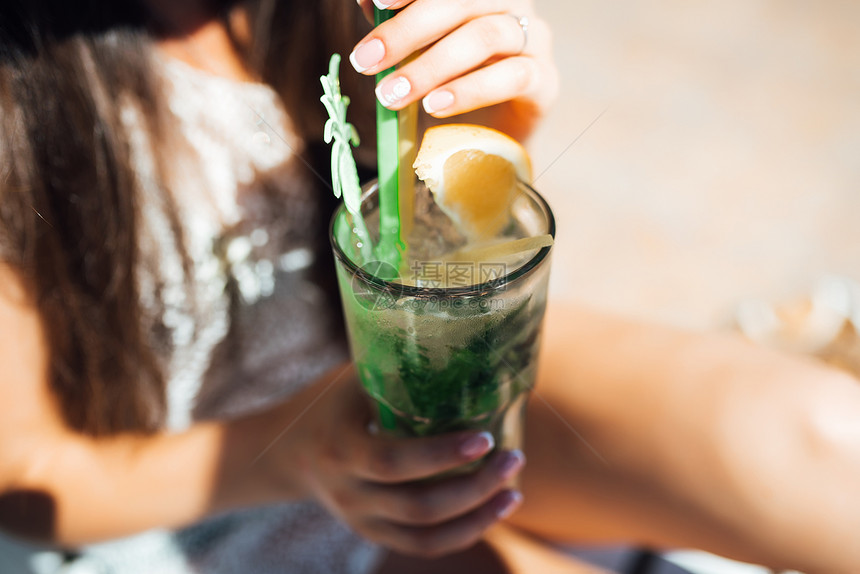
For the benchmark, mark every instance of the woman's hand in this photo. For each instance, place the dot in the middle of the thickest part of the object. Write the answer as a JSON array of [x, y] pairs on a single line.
[[371, 482], [476, 53]]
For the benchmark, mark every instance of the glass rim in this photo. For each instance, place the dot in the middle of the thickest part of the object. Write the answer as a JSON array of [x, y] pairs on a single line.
[[415, 291]]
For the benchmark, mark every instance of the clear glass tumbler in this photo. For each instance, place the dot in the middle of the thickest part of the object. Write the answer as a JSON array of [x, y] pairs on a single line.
[[441, 359]]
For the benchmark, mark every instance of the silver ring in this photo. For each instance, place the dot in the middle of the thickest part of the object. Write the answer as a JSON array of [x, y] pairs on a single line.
[[523, 21]]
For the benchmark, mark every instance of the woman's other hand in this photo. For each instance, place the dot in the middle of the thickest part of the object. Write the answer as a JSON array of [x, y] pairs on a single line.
[[473, 54], [373, 482]]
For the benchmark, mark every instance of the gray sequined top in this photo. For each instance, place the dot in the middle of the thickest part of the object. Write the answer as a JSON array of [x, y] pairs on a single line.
[[261, 325]]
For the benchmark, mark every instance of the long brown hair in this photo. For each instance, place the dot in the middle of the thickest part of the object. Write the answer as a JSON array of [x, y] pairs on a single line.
[[69, 198]]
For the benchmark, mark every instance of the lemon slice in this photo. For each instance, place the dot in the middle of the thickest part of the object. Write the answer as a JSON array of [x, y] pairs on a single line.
[[473, 172]]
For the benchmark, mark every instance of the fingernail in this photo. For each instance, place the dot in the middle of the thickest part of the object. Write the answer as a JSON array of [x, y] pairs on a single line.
[[477, 445], [367, 55], [382, 4], [508, 503], [511, 463], [438, 101], [392, 90]]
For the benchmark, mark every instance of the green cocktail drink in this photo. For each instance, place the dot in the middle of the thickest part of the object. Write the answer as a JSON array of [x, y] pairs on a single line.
[[450, 340]]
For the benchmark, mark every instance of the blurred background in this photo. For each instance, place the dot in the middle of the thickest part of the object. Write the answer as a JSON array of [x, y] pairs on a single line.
[[725, 164], [722, 165]]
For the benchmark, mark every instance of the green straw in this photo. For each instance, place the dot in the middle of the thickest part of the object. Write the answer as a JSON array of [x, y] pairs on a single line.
[[388, 162]]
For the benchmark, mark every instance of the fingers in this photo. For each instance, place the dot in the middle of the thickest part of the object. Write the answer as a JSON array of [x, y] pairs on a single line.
[[462, 51], [420, 24], [391, 460], [451, 536], [530, 77], [438, 502], [476, 53], [353, 450], [499, 82]]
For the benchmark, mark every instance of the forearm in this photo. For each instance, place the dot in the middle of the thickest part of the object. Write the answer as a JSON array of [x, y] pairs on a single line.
[[89, 490], [98, 489], [692, 440]]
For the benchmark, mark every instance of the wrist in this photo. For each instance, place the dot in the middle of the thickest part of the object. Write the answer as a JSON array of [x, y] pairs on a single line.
[[259, 465], [270, 456], [96, 489]]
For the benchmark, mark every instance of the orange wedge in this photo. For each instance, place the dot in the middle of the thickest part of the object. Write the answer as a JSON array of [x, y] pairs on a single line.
[[473, 172]]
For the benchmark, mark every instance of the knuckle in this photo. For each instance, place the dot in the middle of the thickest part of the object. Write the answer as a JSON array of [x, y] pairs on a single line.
[[332, 455], [486, 33], [430, 547], [462, 545], [405, 32], [414, 542], [419, 510], [371, 535], [344, 500], [466, 6], [520, 7], [384, 462], [523, 74], [436, 544], [488, 484]]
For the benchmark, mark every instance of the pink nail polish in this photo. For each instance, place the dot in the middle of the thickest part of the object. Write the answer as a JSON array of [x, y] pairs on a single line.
[[438, 101], [511, 464], [392, 90], [367, 55], [383, 4], [477, 445], [508, 504]]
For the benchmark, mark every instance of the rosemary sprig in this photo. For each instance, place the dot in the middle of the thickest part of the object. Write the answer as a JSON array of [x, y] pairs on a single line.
[[343, 135]]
